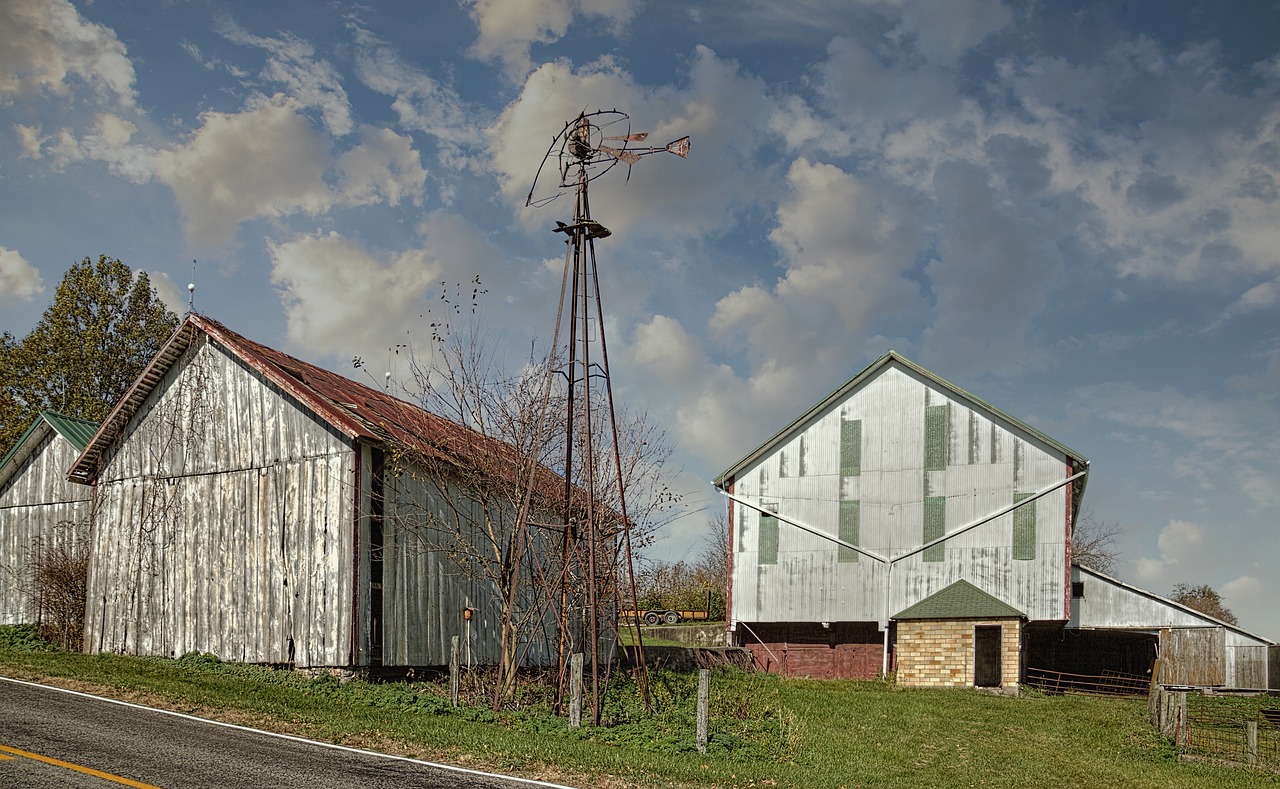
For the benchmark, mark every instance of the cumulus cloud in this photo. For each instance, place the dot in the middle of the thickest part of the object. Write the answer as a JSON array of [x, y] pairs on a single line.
[[1178, 541], [45, 45], [264, 162], [383, 168], [508, 28], [18, 278]]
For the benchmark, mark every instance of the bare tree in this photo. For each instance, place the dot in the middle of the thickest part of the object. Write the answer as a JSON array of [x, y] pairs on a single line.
[[1093, 542], [1204, 599], [491, 490], [57, 582]]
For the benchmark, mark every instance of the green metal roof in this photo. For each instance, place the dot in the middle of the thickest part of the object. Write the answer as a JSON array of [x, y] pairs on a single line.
[[76, 431], [960, 600]]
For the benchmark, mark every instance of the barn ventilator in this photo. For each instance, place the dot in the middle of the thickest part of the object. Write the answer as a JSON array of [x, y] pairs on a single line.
[[585, 149]]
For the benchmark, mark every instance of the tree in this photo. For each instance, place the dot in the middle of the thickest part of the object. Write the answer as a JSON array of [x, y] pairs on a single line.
[[1093, 543], [1204, 599], [104, 326]]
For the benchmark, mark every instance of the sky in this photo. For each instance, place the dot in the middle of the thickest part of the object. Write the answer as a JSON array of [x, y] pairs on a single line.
[[1069, 209]]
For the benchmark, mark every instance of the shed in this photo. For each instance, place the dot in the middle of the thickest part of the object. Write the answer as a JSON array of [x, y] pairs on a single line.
[[248, 506], [1116, 626], [38, 506]]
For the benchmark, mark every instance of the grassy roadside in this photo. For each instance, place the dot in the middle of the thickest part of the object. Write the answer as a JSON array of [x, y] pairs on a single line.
[[766, 731]]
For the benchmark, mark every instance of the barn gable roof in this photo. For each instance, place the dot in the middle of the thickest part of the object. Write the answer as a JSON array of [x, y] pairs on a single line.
[[359, 412], [960, 600], [1078, 462], [76, 431]]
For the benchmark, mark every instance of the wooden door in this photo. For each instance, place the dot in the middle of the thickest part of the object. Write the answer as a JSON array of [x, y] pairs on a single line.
[[986, 656]]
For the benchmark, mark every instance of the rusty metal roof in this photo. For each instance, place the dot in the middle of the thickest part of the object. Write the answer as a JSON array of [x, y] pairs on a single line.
[[361, 413]]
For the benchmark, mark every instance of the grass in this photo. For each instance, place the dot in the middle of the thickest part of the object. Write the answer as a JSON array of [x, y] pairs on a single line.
[[766, 731]]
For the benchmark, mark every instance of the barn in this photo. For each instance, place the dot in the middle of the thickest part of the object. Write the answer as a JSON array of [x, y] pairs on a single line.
[[251, 505], [904, 525], [38, 507]]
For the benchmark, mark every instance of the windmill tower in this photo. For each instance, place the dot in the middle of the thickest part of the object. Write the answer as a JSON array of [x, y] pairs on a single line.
[[596, 526]]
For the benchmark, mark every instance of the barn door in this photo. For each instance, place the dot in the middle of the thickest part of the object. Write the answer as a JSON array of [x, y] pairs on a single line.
[[1193, 656], [986, 656]]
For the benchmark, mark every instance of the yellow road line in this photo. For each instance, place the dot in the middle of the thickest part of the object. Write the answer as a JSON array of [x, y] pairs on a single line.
[[78, 768]]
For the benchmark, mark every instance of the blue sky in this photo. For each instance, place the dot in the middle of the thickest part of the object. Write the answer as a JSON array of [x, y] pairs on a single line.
[[1068, 209]]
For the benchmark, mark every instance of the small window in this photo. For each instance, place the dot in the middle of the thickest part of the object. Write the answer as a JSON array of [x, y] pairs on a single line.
[[1077, 588]]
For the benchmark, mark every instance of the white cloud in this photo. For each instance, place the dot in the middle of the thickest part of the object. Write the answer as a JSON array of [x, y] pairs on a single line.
[[383, 167], [1179, 541], [173, 297], [421, 103], [30, 140], [264, 162], [507, 28], [340, 299], [309, 81], [45, 45], [18, 278]]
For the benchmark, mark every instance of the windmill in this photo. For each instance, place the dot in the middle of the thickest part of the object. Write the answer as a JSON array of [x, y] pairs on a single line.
[[583, 151]]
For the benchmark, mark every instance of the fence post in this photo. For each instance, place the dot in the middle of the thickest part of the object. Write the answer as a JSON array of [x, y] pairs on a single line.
[[575, 690], [704, 707], [1251, 741], [1181, 730], [454, 669]]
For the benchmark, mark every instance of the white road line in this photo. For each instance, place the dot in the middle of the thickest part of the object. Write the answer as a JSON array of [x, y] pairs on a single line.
[[348, 749]]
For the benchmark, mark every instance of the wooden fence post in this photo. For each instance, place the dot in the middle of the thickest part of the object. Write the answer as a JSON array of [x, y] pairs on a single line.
[[575, 690], [1181, 729], [704, 707], [1251, 741], [455, 679]]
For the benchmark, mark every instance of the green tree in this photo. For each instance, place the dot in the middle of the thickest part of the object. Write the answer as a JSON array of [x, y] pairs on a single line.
[[104, 326], [1203, 599]]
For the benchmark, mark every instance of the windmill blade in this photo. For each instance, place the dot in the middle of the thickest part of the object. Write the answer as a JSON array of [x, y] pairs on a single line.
[[625, 156], [679, 147], [637, 137]]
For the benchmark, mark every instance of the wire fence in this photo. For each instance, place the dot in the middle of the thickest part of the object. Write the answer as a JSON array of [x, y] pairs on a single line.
[[1244, 729]]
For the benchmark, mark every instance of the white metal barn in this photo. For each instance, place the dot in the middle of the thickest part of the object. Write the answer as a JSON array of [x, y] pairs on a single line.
[[902, 524], [38, 505], [247, 507]]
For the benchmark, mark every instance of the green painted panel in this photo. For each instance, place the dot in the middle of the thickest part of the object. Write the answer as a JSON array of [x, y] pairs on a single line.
[[850, 515], [1024, 528], [850, 447], [935, 525], [768, 539], [935, 437]]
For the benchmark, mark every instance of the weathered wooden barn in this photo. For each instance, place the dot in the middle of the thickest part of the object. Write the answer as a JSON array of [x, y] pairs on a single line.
[[902, 524], [38, 506], [248, 505]]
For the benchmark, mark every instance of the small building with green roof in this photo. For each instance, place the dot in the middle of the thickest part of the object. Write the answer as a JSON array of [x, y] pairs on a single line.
[[39, 507]]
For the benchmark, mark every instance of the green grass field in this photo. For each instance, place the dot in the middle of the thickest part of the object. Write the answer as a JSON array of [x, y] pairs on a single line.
[[765, 731]]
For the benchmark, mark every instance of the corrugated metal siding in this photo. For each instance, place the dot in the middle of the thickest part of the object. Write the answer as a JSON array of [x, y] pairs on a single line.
[[34, 504], [986, 462], [224, 524]]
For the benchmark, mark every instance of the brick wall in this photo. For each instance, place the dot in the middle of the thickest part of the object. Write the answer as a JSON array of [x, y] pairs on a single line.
[[938, 653]]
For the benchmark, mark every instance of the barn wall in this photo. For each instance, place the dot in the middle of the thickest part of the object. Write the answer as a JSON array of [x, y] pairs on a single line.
[[224, 524], [36, 503], [437, 563], [985, 463]]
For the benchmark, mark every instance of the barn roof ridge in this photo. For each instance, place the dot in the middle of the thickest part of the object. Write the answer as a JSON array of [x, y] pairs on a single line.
[[360, 412]]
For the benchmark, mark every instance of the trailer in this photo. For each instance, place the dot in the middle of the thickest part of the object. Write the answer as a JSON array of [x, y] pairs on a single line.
[[664, 616]]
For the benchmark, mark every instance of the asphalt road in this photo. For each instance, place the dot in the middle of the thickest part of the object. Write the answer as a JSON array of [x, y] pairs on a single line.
[[55, 738]]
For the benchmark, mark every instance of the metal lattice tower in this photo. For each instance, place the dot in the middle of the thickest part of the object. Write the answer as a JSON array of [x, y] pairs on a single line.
[[593, 533]]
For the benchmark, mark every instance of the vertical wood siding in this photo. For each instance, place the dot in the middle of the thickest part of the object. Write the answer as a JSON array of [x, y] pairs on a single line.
[[224, 524], [984, 463], [37, 503]]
